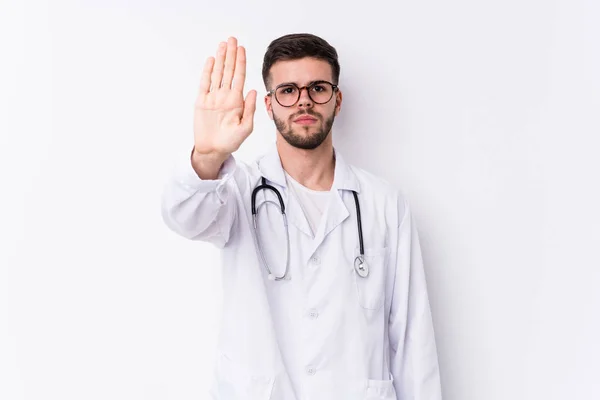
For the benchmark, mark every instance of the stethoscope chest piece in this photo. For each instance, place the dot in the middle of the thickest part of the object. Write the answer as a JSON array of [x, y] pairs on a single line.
[[361, 267]]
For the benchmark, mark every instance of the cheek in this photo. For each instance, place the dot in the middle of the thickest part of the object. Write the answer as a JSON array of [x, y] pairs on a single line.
[[332, 110], [282, 114]]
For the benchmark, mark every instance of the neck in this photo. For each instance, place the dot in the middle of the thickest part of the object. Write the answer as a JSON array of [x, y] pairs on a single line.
[[313, 169]]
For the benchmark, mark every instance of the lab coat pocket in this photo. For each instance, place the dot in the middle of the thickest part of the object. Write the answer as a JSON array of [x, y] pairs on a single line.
[[370, 289], [233, 382], [380, 390]]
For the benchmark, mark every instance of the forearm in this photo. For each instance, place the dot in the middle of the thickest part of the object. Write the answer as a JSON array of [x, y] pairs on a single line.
[[200, 209]]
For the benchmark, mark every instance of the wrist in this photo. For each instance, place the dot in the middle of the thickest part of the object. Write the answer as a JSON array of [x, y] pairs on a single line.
[[207, 165]]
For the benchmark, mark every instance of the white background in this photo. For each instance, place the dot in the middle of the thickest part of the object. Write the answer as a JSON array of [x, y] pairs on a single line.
[[485, 113]]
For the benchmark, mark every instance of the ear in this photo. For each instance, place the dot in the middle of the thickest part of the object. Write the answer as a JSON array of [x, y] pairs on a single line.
[[338, 102], [269, 106]]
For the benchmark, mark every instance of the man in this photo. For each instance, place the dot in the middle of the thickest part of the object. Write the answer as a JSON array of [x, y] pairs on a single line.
[[329, 300]]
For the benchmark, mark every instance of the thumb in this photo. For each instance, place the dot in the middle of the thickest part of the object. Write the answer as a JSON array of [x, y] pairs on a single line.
[[249, 108]]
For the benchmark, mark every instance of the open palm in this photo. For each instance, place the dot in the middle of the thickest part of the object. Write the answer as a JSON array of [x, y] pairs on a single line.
[[222, 118]]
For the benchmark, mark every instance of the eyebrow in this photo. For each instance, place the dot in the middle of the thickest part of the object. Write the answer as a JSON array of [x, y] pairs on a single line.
[[308, 84]]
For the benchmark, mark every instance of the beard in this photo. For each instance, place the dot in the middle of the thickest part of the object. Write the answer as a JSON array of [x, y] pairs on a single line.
[[311, 141]]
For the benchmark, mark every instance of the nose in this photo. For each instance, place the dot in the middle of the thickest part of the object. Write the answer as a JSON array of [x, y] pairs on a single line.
[[304, 100]]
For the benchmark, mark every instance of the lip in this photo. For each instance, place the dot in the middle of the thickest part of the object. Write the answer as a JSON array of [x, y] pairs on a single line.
[[305, 119]]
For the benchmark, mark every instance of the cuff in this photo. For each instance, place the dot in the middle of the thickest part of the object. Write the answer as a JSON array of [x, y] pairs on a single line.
[[187, 177]]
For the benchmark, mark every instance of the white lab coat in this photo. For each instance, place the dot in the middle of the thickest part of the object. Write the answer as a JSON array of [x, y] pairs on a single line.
[[326, 333]]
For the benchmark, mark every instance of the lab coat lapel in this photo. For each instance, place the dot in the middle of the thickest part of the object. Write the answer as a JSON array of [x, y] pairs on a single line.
[[296, 215], [344, 182], [336, 213]]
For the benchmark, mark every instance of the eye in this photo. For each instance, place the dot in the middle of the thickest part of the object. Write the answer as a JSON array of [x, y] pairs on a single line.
[[286, 90], [318, 88]]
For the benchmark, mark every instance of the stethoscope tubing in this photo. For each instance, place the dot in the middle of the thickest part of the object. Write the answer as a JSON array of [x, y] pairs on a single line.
[[360, 267]]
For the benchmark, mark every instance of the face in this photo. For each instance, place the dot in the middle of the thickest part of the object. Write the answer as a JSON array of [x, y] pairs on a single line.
[[306, 124]]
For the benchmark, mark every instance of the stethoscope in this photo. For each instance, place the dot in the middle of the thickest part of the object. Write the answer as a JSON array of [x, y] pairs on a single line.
[[360, 265]]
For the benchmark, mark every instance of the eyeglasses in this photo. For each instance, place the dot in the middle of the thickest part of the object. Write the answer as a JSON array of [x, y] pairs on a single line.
[[288, 94]]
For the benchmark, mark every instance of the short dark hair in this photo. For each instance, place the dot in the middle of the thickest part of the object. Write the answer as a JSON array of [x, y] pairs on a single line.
[[299, 45]]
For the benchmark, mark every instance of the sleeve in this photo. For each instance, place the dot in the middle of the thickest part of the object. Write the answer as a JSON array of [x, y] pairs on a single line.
[[413, 353], [200, 209]]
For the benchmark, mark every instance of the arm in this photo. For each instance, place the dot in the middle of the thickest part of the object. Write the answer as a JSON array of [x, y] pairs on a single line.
[[201, 209], [413, 353], [199, 202]]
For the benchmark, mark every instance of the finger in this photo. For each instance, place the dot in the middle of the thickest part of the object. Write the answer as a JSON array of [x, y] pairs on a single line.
[[217, 73], [229, 62], [249, 109], [240, 69], [205, 78]]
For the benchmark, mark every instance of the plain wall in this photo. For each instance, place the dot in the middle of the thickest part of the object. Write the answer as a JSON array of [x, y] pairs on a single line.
[[486, 115]]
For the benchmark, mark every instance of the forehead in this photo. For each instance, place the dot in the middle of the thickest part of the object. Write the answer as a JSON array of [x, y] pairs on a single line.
[[300, 71]]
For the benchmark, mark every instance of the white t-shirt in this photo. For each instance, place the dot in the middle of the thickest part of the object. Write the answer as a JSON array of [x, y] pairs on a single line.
[[313, 202]]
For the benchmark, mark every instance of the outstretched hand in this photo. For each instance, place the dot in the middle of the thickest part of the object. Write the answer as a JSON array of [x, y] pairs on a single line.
[[223, 119]]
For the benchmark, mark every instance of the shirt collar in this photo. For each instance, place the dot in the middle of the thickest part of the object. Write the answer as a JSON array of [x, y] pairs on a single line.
[[344, 177]]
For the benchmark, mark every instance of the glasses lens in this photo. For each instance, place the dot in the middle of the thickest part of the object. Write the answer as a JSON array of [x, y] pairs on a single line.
[[319, 92], [287, 95]]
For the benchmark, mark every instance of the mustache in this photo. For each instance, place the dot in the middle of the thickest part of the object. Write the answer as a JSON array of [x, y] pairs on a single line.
[[307, 112]]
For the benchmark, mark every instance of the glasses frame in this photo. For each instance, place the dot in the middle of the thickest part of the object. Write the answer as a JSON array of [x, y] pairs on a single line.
[[273, 91]]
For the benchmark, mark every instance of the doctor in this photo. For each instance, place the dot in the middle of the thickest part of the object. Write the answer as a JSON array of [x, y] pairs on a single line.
[[324, 289]]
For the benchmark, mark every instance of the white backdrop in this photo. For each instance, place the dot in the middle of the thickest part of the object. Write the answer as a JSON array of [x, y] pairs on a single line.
[[484, 113]]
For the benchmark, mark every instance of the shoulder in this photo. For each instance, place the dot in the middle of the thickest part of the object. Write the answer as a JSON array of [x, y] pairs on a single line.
[[381, 191], [374, 184]]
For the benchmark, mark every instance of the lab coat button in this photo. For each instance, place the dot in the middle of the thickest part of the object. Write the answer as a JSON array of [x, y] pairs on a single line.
[[314, 261], [313, 314], [310, 370]]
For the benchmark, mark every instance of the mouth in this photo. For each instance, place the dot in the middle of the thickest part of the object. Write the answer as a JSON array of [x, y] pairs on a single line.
[[305, 120]]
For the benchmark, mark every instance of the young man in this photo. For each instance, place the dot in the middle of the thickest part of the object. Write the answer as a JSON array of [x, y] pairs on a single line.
[[324, 289]]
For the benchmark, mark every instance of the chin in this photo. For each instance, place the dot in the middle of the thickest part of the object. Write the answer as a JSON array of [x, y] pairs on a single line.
[[307, 132]]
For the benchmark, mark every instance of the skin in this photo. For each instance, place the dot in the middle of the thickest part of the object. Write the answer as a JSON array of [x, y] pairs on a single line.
[[223, 118]]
